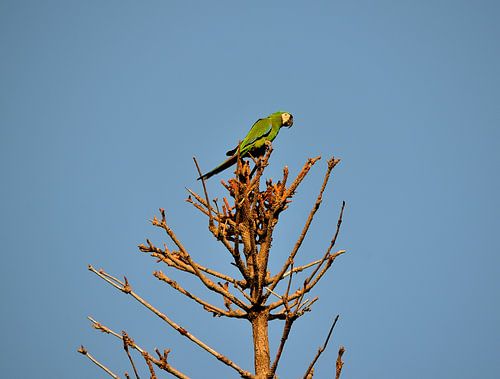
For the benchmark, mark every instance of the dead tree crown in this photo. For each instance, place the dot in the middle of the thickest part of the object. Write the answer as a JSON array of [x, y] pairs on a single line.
[[244, 223]]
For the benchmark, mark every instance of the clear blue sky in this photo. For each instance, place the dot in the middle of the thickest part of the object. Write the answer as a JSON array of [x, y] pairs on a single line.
[[104, 103]]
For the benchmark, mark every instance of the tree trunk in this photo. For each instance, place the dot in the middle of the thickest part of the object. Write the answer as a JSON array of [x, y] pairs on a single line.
[[261, 344]]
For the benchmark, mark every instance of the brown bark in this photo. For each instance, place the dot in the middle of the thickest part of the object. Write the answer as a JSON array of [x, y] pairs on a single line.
[[262, 361]]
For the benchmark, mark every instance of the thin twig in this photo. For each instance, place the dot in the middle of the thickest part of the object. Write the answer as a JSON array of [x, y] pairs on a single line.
[[243, 292], [290, 318], [206, 281], [260, 166], [179, 265], [321, 349], [126, 341], [285, 297], [332, 243], [150, 366], [278, 207], [301, 268], [339, 364], [221, 235], [210, 218], [83, 350], [284, 337], [127, 289], [161, 363], [174, 262], [308, 286], [97, 325], [274, 293], [300, 177], [209, 307], [202, 201], [325, 256], [331, 164], [306, 306]]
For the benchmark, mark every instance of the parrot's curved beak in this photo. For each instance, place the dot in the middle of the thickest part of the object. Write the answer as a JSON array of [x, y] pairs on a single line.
[[289, 122]]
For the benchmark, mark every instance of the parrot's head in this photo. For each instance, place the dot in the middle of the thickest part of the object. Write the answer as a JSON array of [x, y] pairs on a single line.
[[286, 119]]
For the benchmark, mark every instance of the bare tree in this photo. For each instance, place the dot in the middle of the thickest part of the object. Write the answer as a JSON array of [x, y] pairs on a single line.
[[244, 223]]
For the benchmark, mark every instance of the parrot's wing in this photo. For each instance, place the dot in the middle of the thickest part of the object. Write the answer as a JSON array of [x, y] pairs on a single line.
[[260, 129]]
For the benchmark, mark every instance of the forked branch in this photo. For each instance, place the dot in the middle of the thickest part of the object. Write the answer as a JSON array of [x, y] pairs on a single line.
[[332, 162], [187, 257], [216, 311], [160, 362], [126, 288]]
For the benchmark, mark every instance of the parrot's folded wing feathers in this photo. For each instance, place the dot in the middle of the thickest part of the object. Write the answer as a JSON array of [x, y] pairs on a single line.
[[260, 129]]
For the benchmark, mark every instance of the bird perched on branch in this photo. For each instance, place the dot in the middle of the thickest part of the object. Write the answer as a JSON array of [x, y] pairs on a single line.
[[254, 144]]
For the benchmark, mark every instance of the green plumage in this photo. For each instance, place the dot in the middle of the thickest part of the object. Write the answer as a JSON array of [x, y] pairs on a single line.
[[254, 144]]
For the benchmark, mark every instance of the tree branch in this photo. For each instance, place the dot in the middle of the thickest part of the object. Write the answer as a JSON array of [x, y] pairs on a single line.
[[220, 230], [185, 255], [284, 337], [332, 243], [300, 177], [321, 349], [168, 258], [331, 164], [209, 307], [290, 318], [210, 218], [218, 216], [308, 286], [301, 268], [126, 342], [151, 368], [339, 364], [161, 363], [82, 350], [125, 287]]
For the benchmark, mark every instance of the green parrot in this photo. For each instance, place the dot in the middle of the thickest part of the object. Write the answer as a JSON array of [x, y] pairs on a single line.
[[254, 144]]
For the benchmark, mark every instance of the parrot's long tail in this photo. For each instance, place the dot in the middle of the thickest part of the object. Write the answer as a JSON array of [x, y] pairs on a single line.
[[227, 163]]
